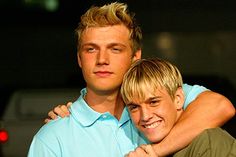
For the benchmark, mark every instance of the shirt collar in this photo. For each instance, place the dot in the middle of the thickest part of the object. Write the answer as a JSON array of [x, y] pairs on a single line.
[[87, 116], [82, 112], [124, 117]]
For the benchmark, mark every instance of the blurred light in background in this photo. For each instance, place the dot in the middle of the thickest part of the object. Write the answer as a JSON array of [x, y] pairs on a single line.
[[3, 136], [48, 5], [165, 44]]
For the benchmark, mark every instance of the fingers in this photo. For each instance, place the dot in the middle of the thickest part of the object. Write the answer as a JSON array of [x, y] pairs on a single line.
[[69, 104], [52, 115], [149, 150], [132, 154], [142, 151], [138, 152], [47, 120], [60, 110]]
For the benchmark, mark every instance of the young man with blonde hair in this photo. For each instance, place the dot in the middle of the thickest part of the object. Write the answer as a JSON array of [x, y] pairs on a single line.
[[109, 41], [152, 89]]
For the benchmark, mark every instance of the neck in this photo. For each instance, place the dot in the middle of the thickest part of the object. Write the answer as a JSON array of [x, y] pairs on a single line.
[[108, 102]]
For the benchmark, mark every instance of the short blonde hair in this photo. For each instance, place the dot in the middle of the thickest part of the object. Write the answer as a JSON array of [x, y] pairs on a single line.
[[150, 75], [108, 15]]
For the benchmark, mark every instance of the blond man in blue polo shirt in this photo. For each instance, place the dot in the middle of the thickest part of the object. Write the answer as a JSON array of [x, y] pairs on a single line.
[[153, 92]]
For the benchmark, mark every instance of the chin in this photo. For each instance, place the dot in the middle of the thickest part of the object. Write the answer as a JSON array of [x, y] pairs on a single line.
[[155, 138], [105, 88]]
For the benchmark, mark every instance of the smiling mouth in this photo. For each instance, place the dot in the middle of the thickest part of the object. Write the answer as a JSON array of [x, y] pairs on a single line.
[[153, 125]]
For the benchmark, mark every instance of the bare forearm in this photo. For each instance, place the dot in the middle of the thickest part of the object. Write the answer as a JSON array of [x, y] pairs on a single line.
[[207, 111]]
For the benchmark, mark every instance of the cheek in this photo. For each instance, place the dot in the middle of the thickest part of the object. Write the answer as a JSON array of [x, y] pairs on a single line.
[[124, 58], [86, 61], [86, 66], [170, 114], [123, 65], [135, 117]]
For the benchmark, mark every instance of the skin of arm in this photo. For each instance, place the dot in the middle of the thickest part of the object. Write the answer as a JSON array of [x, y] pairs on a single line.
[[208, 110]]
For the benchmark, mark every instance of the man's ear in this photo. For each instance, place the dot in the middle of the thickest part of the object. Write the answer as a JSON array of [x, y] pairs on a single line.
[[179, 98], [79, 59], [137, 55]]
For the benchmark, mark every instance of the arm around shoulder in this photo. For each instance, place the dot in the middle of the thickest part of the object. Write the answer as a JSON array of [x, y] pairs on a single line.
[[208, 110], [219, 109]]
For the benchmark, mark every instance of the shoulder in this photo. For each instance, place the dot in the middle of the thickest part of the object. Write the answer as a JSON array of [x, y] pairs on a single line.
[[48, 138], [55, 128], [191, 92]]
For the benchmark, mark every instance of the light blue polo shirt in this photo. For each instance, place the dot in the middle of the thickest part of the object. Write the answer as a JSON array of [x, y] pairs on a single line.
[[191, 92], [87, 133]]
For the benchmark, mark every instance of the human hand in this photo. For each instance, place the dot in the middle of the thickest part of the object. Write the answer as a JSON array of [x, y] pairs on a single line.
[[142, 151], [60, 110]]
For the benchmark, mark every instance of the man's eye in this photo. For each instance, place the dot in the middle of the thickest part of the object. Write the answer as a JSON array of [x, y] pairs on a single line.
[[132, 107], [90, 49], [116, 50], [154, 102]]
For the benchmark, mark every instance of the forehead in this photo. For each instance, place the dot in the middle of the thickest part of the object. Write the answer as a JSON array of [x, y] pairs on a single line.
[[143, 95], [107, 33]]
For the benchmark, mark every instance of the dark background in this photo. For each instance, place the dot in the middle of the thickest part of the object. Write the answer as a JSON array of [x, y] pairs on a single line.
[[38, 47]]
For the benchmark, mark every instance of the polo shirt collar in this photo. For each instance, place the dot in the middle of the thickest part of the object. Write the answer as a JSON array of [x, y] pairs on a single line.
[[87, 116], [82, 112], [124, 117]]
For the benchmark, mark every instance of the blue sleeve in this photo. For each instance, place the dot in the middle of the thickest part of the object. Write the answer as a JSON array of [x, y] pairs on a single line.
[[191, 93], [39, 149]]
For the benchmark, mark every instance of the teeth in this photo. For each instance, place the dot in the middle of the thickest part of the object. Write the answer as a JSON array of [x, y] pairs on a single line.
[[153, 125]]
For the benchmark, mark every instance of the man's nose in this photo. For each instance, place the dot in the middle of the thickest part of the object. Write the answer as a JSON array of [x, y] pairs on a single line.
[[146, 115], [103, 57]]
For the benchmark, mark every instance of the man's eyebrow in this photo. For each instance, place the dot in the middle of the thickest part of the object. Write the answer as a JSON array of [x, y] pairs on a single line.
[[109, 45], [117, 44], [88, 44], [146, 100], [152, 98], [131, 103]]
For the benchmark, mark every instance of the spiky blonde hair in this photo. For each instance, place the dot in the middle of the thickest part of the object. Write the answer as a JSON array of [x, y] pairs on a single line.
[[108, 15]]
